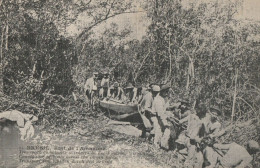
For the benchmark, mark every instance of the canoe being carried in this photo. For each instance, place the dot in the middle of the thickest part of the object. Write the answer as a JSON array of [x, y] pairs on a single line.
[[119, 107]]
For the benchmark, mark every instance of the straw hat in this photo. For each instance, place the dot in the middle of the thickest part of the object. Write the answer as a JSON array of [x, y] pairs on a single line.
[[129, 86], [156, 88]]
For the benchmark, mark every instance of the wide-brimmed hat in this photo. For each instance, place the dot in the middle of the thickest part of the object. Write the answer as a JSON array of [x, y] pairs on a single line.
[[156, 88], [106, 73], [165, 87], [112, 87], [129, 86]]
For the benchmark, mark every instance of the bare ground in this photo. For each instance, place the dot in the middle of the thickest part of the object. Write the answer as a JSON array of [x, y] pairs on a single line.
[[99, 147]]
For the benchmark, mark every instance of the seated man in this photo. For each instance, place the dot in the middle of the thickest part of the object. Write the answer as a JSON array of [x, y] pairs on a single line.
[[235, 155]]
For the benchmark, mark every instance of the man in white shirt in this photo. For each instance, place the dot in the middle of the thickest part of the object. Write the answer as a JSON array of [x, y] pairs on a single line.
[[146, 106], [104, 85], [156, 112], [91, 85]]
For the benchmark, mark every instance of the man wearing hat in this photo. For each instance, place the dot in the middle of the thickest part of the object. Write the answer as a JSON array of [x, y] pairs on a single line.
[[157, 113], [213, 130], [169, 130], [146, 106], [91, 85], [118, 92], [130, 93], [104, 85]]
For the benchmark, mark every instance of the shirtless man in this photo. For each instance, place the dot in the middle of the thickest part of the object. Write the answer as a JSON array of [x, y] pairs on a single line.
[[192, 136]]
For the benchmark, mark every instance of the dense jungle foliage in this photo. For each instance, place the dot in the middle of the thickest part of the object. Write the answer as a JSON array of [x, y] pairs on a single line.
[[202, 50]]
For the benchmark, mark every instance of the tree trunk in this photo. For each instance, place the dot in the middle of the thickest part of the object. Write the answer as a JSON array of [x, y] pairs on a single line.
[[1, 61], [234, 98], [170, 56], [6, 36]]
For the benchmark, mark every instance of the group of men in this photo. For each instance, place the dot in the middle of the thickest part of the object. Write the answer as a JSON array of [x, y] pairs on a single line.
[[194, 131], [200, 130], [104, 89]]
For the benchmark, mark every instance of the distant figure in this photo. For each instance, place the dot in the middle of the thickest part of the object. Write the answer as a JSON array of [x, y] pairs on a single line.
[[104, 85], [90, 87]]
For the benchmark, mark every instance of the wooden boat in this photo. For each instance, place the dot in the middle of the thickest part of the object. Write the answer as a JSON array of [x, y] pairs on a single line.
[[119, 107]]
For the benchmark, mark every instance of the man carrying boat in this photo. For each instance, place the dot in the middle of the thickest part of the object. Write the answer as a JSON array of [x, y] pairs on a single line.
[[118, 92], [130, 93]]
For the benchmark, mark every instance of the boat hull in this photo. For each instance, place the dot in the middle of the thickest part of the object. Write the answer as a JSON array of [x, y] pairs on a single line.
[[118, 107]]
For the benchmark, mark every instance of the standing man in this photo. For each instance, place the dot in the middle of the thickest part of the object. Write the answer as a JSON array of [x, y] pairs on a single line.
[[130, 93], [118, 92], [157, 109], [167, 133], [145, 106], [158, 116], [90, 86], [104, 85]]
